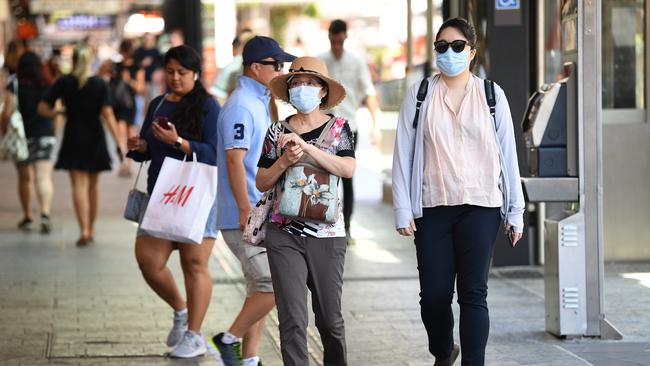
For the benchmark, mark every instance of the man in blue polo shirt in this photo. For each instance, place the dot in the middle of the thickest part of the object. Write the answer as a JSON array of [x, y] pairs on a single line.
[[241, 129]]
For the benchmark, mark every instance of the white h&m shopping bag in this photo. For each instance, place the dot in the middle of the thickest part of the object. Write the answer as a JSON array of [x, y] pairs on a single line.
[[181, 200]]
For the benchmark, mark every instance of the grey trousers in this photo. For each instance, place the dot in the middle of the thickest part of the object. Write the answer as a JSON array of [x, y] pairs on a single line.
[[298, 264]]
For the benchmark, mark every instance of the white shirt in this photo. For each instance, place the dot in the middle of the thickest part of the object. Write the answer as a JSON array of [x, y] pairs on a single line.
[[353, 73]]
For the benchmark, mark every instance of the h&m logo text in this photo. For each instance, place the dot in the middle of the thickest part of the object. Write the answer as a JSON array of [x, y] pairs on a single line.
[[177, 195]]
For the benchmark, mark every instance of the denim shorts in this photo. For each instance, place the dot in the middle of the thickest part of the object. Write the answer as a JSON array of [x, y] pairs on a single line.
[[210, 226]]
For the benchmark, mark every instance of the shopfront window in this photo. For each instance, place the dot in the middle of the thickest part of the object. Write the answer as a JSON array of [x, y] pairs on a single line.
[[624, 60]]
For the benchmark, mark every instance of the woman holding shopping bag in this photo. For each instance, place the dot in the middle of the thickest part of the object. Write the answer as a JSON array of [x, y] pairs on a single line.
[[308, 253], [179, 125]]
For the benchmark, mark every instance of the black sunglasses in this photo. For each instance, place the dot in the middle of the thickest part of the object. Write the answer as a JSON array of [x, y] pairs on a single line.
[[278, 65], [458, 46]]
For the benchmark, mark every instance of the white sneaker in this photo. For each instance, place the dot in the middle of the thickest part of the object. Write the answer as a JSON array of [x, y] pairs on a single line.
[[192, 345], [176, 334]]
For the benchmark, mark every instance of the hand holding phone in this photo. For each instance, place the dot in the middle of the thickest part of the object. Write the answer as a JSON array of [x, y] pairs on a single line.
[[513, 236], [163, 122]]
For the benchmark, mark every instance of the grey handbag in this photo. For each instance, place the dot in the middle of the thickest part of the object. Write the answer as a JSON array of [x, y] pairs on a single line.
[[136, 203]]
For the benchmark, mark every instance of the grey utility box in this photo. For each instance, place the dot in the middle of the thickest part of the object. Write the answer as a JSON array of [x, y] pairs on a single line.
[[564, 274]]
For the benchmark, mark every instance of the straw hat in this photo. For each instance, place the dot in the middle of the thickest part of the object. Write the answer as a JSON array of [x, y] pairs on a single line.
[[314, 67]]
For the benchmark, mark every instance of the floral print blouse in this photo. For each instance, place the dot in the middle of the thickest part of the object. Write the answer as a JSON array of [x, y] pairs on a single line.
[[342, 145]]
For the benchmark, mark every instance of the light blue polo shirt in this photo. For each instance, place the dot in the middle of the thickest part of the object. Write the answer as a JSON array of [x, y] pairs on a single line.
[[242, 124]]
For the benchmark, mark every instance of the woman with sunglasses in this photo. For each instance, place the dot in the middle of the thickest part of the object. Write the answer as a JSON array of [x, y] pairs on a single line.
[[455, 178]]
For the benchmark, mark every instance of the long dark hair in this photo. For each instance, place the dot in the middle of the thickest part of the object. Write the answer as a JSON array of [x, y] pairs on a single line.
[[190, 110], [31, 70], [464, 27]]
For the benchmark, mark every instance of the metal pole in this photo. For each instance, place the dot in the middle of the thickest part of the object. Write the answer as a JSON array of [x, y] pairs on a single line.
[[541, 79], [589, 116], [427, 67]]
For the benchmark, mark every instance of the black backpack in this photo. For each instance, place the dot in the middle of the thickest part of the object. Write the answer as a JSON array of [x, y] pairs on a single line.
[[489, 95]]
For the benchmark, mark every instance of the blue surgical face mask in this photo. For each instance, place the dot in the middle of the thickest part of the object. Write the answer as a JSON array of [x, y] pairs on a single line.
[[305, 98], [452, 63]]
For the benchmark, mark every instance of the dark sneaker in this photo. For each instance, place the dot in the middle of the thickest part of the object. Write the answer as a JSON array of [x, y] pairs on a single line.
[[449, 361], [46, 225], [25, 224], [229, 354], [349, 238]]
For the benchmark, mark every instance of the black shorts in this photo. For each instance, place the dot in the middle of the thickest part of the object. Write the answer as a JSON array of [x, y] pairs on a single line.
[[40, 148]]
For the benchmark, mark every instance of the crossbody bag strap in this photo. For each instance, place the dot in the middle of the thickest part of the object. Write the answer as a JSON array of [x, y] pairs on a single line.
[[327, 135], [162, 100], [323, 135], [137, 177]]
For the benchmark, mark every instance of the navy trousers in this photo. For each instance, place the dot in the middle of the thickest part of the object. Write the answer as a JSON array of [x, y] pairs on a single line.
[[456, 243]]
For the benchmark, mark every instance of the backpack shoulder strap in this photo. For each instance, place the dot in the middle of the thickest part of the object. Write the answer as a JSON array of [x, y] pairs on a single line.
[[491, 98], [422, 94]]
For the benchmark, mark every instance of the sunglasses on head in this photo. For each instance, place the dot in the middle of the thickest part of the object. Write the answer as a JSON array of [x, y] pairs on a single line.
[[458, 46], [277, 65]]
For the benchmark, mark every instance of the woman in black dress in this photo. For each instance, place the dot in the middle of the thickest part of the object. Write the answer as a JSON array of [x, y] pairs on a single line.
[[83, 150]]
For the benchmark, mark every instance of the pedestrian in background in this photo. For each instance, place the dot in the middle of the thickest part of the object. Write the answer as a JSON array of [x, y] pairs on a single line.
[[351, 71], [241, 129], [226, 81], [148, 57], [307, 255], [455, 177], [30, 84], [179, 124], [83, 151], [127, 81]]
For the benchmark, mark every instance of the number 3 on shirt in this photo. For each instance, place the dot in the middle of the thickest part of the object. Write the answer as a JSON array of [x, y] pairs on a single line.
[[239, 131]]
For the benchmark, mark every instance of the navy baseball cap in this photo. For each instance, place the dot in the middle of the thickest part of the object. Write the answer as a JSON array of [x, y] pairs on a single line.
[[260, 47]]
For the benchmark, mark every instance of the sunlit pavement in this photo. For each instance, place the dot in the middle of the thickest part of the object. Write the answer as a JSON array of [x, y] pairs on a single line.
[[64, 305]]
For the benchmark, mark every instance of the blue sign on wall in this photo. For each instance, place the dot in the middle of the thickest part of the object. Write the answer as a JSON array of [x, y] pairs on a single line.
[[507, 4]]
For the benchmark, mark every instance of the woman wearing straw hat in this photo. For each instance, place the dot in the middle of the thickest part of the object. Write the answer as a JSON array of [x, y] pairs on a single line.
[[305, 254]]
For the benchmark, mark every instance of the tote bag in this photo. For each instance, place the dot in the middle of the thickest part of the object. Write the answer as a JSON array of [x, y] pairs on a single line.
[[181, 200], [255, 229], [14, 143], [309, 192]]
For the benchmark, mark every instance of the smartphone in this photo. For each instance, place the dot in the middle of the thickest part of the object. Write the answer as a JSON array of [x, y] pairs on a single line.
[[509, 236], [163, 122]]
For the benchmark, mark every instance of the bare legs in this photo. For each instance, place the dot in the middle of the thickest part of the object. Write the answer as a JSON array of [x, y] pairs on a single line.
[[249, 324], [38, 175], [85, 196], [152, 255], [44, 186], [25, 182]]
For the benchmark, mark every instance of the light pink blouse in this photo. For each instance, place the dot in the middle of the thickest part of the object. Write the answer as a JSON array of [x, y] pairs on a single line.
[[461, 162]]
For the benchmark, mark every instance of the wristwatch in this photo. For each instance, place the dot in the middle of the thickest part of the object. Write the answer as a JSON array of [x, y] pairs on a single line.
[[179, 141]]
